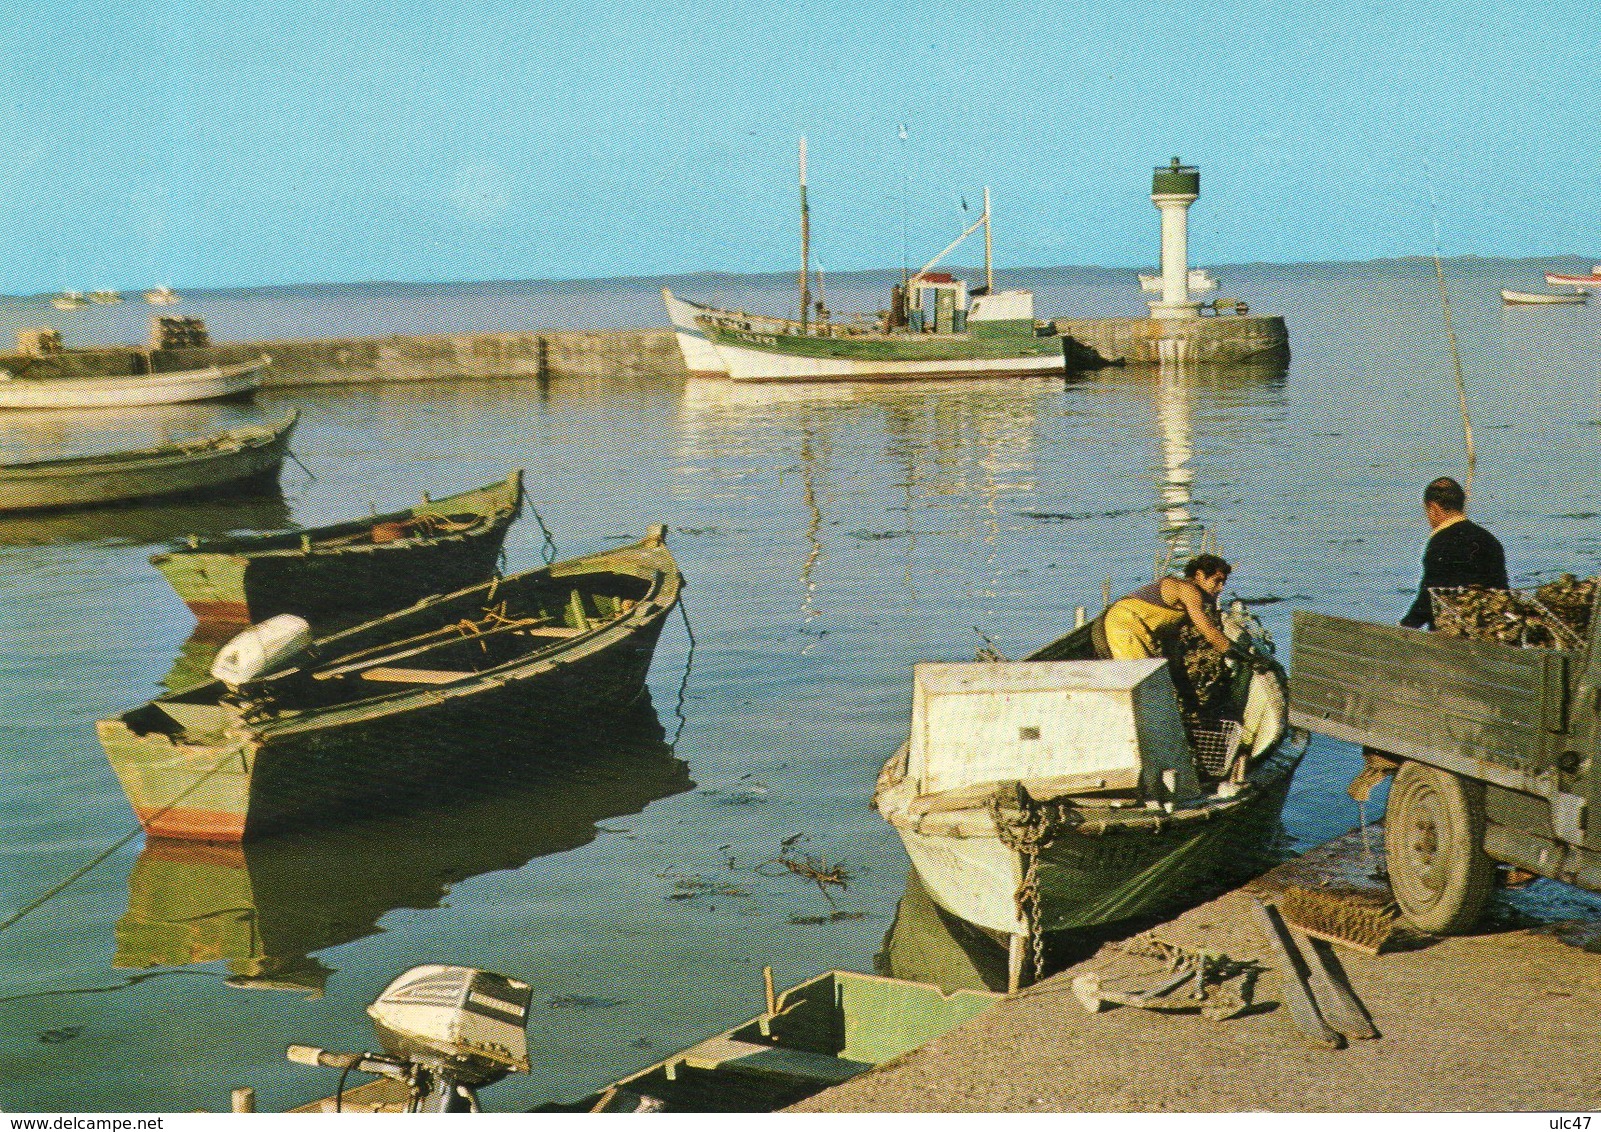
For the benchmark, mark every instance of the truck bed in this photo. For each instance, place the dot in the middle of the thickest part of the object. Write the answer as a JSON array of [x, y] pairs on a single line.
[[1490, 711]]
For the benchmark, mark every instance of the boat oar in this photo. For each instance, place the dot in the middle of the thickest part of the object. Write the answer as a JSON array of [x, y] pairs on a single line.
[[1297, 993], [1335, 1000]]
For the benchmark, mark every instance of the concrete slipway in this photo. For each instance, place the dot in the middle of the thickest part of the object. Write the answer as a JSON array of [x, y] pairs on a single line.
[[1504, 1020]]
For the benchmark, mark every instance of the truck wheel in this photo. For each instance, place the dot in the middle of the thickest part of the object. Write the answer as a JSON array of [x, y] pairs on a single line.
[[1434, 846]]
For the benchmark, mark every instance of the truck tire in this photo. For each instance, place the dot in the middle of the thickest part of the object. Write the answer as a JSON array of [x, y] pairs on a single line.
[[1434, 847]]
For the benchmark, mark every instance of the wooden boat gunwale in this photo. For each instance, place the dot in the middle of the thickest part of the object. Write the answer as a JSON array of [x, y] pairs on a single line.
[[651, 605]]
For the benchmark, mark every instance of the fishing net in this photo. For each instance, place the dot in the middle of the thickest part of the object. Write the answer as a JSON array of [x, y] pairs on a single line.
[[1200, 675], [1553, 616]]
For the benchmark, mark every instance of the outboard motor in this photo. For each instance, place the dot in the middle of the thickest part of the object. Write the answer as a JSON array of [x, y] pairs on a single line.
[[261, 649], [446, 1032]]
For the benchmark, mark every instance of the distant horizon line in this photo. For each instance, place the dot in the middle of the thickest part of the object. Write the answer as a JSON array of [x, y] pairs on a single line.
[[785, 273]]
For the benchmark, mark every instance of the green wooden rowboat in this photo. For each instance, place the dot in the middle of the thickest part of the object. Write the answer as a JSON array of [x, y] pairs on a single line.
[[236, 460], [376, 563], [367, 715], [814, 1035]]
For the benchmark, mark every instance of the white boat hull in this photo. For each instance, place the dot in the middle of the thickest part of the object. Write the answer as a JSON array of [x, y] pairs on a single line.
[[123, 392], [1537, 298], [701, 358], [745, 364], [975, 879]]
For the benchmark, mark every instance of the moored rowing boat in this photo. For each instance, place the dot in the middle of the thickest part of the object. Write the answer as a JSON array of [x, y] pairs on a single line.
[[1537, 298], [377, 563], [369, 711], [1043, 836], [814, 1035], [208, 384], [235, 460]]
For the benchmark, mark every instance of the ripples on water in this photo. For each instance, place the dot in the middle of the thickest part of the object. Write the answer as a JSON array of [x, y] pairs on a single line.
[[831, 537]]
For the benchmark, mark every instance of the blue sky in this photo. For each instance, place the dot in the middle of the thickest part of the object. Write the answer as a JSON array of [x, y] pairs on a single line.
[[268, 142]]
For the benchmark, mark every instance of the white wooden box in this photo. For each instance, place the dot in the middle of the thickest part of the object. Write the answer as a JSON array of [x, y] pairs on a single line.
[[1059, 727]]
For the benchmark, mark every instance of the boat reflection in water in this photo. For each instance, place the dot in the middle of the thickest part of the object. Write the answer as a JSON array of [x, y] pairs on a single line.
[[143, 524], [927, 944], [265, 907]]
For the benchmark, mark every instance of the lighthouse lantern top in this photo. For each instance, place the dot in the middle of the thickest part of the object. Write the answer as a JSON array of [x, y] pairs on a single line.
[[1176, 180]]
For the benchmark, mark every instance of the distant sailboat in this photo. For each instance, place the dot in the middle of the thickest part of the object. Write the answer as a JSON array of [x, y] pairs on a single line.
[[69, 301], [162, 296]]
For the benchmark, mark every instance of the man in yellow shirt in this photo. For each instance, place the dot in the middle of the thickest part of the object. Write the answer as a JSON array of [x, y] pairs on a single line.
[[1139, 626]]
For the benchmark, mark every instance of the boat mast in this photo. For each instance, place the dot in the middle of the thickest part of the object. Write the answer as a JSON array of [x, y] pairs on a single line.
[[989, 273], [806, 239]]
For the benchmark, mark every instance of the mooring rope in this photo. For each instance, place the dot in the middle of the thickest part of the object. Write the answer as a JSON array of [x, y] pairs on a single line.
[[548, 551], [61, 887], [310, 474], [683, 684]]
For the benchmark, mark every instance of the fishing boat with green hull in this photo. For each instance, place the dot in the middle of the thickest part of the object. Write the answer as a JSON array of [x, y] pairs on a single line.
[[994, 335], [934, 327], [234, 461], [367, 715], [1064, 792], [376, 563], [814, 1035]]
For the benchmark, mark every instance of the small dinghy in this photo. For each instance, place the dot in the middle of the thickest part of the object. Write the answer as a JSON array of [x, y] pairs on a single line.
[[1541, 298]]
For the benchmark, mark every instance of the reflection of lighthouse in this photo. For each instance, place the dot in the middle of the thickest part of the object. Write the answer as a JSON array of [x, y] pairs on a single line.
[[1173, 189], [1173, 419]]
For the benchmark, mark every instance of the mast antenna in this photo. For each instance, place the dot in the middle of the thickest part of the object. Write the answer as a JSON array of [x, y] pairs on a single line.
[[989, 273], [1450, 335], [806, 239]]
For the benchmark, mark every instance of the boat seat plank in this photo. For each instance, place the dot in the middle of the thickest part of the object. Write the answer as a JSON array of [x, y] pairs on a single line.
[[446, 636], [778, 1061], [414, 675]]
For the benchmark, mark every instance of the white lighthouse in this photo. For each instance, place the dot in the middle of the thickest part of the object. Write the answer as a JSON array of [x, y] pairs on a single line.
[[1173, 189]]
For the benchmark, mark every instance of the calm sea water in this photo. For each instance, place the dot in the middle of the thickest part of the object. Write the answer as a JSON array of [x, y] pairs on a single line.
[[831, 537]]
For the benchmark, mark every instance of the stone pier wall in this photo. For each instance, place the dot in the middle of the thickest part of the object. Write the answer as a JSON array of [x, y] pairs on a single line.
[[1222, 340], [615, 354], [548, 354]]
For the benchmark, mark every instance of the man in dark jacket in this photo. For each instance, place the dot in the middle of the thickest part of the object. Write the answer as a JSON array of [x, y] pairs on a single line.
[[1459, 551]]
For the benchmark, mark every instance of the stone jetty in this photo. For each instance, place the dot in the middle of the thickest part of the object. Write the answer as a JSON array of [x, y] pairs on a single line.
[[1501, 1020]]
